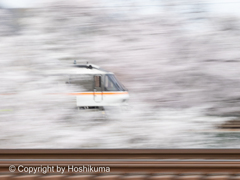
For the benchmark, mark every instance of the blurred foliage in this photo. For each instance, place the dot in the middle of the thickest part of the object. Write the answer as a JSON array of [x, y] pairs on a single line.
[[181, 56]]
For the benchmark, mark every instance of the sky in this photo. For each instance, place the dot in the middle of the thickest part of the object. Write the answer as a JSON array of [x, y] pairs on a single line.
[[230, 7]]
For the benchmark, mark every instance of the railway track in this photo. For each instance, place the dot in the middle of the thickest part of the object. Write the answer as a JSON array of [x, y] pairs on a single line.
[[121, 164], [120, 154]]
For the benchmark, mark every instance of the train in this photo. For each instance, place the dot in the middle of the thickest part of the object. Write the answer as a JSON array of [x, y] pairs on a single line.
[[98, 88]]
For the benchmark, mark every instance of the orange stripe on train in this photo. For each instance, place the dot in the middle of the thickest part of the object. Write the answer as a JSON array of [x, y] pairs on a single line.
[[84, 93], [98, 93]]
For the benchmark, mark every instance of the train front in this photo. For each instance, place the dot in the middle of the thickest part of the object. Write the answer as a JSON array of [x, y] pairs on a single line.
[[113, 91]]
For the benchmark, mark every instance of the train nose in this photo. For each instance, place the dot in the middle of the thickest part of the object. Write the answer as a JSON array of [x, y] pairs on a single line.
[[126, 98]]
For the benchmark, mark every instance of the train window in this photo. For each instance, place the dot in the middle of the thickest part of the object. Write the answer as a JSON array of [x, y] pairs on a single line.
[[85, 81], [111, 83], [97, 81], [108, 85]]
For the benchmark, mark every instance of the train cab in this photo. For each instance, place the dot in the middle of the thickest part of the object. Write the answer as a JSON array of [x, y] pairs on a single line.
[[97, 87]]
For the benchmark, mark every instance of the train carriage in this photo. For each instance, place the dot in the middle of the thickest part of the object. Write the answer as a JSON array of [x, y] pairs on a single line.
[[101, 88]]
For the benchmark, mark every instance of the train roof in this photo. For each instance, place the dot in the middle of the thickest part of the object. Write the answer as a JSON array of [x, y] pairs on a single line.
[[79, 69]]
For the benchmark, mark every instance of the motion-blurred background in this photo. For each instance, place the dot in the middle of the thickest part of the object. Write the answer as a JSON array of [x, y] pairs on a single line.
[[179, 60]]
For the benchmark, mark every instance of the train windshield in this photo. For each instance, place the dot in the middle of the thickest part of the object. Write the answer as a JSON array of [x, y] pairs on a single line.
[[112, 84]]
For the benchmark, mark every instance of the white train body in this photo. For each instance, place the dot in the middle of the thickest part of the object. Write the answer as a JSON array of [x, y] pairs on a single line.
[[101, 88]]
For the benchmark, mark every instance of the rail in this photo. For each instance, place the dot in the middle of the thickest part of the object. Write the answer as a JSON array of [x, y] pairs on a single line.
[[120, 154]]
